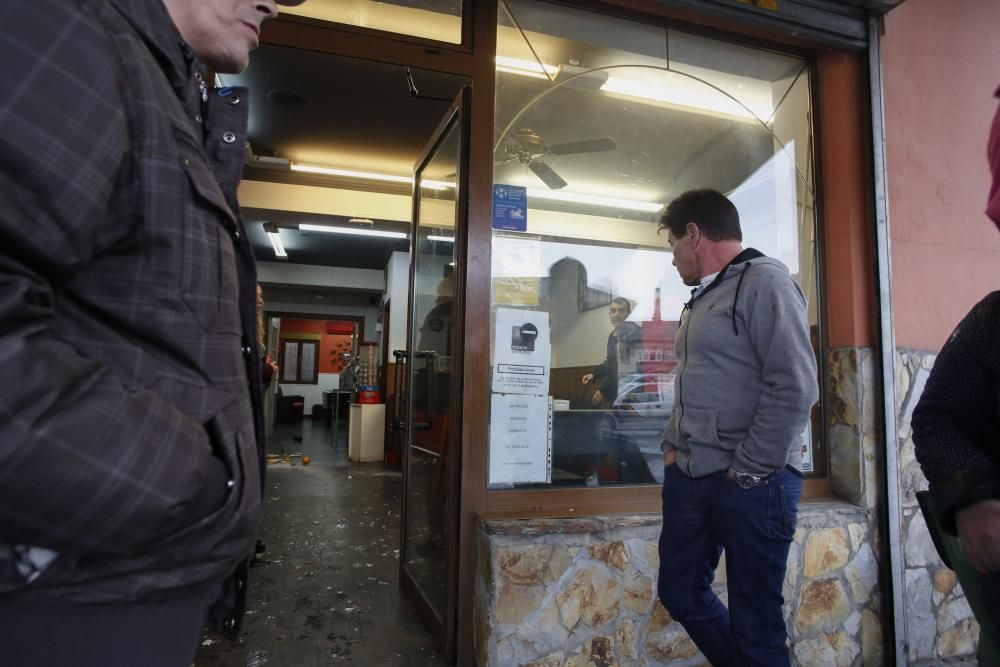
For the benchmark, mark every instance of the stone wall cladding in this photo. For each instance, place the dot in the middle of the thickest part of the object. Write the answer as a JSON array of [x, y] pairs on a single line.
[[940, 622], [582, 592]]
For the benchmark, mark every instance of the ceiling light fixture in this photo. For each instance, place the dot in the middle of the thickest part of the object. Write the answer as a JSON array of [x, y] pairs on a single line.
[[445, 239], [349, 173], [528, 68], [353, 231], [679, 90], [279, 248], [366, 175], [594, 200]]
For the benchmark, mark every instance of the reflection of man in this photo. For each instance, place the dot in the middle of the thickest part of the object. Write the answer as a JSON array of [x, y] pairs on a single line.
[[746, 379], [130, 471], [623, 343], [435, 332]]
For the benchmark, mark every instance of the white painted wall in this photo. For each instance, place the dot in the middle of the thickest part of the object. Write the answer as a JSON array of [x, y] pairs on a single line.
[[398, 290], [282, 273], [312, 393]]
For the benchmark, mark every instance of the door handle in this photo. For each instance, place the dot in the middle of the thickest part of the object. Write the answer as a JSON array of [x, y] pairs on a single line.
[[398, 421]]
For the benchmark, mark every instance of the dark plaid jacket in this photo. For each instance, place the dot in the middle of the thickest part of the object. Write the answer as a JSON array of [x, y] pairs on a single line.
[[129, 424]]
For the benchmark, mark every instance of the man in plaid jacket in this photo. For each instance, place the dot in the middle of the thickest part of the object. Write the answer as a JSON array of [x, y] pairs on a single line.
[[130, 429]]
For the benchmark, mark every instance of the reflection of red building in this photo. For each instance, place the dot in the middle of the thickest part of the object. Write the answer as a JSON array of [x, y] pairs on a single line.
[[657, 355]]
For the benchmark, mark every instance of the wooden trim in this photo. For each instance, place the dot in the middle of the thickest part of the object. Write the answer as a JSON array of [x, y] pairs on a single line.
[[341, 40], [477, 296], [814, 490], [458, 367]]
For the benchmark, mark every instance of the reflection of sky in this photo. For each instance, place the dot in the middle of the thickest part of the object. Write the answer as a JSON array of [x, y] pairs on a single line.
[[767, 204]]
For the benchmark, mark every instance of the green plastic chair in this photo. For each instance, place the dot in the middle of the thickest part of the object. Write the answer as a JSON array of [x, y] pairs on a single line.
[[950, 551]]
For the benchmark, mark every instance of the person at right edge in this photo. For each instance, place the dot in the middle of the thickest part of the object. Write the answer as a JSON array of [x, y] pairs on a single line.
[[746, 380], [956, 424]]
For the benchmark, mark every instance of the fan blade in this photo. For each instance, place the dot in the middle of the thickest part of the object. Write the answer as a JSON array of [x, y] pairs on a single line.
[[545, 172], [591, 146]]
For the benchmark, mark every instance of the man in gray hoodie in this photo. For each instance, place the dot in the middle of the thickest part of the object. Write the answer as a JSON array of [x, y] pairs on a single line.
[[746, 380]]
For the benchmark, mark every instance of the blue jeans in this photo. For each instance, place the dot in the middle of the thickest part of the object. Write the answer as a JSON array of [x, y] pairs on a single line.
[[703, 516]]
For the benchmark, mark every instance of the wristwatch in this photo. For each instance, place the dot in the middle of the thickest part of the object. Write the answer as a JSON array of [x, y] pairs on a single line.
[[746, 480]]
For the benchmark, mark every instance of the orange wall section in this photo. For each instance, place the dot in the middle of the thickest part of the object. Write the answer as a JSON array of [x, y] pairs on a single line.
[[846, 204], [940, 67], [329, 361]]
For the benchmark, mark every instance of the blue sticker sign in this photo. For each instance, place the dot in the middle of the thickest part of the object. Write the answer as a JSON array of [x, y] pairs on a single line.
[[510, 208]]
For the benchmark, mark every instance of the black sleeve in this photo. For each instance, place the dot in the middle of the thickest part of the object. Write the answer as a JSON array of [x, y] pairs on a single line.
[[956, 425]]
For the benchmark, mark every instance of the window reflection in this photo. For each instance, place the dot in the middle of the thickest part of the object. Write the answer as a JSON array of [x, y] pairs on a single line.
[[603, 125]]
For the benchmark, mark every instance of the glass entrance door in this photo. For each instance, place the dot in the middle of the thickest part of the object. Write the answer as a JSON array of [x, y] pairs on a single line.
[[429, 555]]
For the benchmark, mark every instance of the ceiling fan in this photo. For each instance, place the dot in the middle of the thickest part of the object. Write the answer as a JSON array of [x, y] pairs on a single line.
[[529, 149]]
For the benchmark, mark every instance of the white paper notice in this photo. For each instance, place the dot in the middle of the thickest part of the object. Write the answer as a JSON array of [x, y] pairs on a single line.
[[520, 442], [522, 354]]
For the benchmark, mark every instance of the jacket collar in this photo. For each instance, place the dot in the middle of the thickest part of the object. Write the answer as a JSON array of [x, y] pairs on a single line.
[[745, 256], [150, 19]]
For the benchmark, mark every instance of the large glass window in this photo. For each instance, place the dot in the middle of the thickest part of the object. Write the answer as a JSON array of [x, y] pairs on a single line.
[[599, 123], [440, 20]]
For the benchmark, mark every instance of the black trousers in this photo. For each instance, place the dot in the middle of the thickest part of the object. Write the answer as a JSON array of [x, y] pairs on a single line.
[[38, 632]]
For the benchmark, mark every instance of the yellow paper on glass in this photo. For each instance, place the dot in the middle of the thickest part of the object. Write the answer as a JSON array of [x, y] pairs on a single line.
[[521, 291]]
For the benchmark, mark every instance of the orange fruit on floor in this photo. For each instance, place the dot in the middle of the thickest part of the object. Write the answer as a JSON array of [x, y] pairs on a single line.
[[305, 460]]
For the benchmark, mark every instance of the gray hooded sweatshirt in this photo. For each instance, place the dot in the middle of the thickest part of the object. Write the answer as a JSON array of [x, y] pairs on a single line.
[[746, 373]]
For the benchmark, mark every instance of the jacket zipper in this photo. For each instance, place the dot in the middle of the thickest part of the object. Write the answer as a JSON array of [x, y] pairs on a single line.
[[689, 307]]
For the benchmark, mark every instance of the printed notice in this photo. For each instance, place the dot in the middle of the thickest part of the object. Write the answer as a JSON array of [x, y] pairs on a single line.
[[520, 440], [521, 354]]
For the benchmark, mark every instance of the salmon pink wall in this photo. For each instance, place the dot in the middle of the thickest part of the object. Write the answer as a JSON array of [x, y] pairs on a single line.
[[330, 344], [941, 65]]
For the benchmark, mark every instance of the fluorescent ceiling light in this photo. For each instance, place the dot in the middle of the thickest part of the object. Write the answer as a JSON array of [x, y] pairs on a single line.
[[349, 173], [279, 248], [594, 200], [350, 230], [445, 239], [366, 175], [528, 68], [679, 90]]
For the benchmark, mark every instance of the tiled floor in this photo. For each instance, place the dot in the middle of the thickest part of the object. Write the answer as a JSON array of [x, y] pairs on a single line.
[[327, 591]]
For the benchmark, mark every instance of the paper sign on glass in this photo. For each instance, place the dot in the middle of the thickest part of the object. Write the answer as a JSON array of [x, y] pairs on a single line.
[[522, 354], [520, 440], [517, 266]]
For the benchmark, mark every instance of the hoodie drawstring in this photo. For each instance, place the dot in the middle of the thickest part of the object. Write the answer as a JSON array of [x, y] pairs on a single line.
[[746, 269]]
